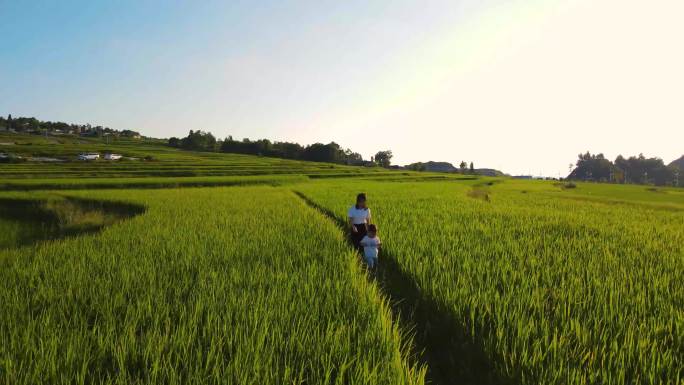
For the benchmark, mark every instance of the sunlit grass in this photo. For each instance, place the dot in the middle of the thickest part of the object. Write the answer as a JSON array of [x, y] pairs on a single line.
[[522, 282], [555, 290], [231, 285]]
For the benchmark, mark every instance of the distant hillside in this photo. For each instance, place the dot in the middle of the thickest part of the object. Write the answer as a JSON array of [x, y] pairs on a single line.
[[436, 166], [197, 140], [432, 166], [26, 156], [488, 172], [679, 163]]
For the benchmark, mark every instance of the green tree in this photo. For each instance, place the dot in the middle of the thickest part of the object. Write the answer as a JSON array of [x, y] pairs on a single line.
[[199, 141], [593, 167], [635, 169], [319, 152], [384, 158], [463, 166], [352, 158], [639, 169]]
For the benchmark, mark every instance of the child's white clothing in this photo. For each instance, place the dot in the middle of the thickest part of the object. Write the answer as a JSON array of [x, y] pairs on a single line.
[[370, 248]]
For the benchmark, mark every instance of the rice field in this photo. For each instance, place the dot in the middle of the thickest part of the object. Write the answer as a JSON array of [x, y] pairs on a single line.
[[548, 286], [248, 279], [228, 285]]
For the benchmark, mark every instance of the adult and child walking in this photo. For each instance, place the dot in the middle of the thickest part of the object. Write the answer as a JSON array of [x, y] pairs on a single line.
[[364, 234]]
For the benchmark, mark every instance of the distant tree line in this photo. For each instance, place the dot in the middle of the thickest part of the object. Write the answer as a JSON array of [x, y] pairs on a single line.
[[35, 126], [635, 169], [196, 141], [318, 152]]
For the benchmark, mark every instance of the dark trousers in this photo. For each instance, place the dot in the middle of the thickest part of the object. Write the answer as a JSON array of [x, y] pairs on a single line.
[[357, 236]]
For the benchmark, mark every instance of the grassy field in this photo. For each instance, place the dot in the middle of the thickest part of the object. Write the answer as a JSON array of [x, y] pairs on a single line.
[[124, 273]]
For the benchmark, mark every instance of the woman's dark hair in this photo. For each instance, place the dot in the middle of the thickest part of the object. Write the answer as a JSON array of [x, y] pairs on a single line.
[[372, 229], [360, 197]]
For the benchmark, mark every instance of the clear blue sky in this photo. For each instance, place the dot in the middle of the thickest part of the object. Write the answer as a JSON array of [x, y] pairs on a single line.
[[521, 85]]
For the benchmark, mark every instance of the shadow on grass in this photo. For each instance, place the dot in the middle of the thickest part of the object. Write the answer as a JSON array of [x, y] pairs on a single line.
[[33, 221], [442, 343]]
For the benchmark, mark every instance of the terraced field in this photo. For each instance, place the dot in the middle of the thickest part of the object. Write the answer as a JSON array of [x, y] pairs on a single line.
[[111, 273], [147, 158]]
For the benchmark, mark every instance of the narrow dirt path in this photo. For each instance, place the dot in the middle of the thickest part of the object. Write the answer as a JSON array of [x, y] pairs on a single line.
[[440, 344]]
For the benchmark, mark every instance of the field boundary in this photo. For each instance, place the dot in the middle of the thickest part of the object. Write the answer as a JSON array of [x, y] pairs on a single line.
[[447, 351]]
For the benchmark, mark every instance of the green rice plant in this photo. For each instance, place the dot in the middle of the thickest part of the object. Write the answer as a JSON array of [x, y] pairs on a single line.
[[578, 286], [239, 285]]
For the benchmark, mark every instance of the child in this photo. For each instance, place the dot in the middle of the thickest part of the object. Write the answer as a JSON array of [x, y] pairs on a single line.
[[370, 244]]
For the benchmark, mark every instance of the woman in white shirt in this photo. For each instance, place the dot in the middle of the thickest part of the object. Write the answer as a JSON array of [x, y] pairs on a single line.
[[359, 218]]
